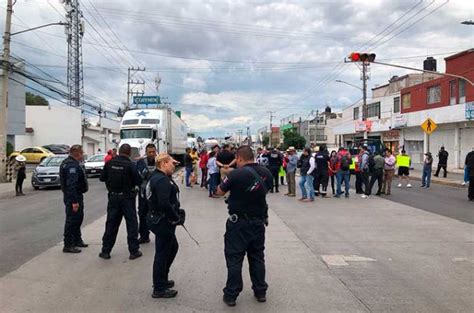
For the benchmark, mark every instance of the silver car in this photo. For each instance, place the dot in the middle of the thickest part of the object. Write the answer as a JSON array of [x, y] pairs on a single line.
[[46, 174]]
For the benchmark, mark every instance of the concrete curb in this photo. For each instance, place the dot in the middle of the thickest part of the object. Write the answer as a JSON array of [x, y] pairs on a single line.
[[440, 182]]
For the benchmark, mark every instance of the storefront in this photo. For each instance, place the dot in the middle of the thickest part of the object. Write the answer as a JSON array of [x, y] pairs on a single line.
[[391, 140]]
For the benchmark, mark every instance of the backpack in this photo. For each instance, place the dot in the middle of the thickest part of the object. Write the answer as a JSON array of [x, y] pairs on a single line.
[[371, 163], [345, 162]]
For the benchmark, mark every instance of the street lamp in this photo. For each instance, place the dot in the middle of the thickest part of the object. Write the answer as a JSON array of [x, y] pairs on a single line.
[[470, 22], [341, 81]]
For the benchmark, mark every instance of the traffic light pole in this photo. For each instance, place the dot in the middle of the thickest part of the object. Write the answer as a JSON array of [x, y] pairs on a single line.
[[364, 96]]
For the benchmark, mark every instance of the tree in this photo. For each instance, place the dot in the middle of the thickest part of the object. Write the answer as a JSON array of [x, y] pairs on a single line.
[[32, 99], [292, 138]]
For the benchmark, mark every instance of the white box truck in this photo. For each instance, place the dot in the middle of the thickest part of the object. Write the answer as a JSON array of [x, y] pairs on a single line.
[[160, 126]]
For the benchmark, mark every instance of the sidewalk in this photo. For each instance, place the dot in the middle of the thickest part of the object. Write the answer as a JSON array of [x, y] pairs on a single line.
[[7, 190], [334, 255]]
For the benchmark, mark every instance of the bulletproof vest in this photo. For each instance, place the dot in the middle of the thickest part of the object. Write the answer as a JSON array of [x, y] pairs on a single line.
[[274, 159], [119, 177], [82, 184]]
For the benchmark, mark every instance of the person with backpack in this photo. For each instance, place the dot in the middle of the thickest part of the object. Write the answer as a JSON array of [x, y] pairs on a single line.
[[376, 165], [343, 173], [364, 165]]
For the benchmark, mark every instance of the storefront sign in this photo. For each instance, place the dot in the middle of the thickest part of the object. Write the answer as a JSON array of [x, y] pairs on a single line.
[[392, 135], [469, 111], [400, 121]]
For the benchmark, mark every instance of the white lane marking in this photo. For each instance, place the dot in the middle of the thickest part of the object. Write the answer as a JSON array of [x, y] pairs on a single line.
[[341, 260]]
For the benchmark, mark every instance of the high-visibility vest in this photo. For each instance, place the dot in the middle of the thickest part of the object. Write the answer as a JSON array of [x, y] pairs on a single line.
[[355, 160], [403, 160]]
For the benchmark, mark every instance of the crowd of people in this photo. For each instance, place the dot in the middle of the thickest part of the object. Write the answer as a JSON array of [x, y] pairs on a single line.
[[320, 169]]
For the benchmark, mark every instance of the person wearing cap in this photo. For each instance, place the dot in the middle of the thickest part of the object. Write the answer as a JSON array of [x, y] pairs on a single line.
[[245, 228], [20, 172], [291, 171], [164, 215], [443, 162], [427, 167], [122, 179], [73, 185]]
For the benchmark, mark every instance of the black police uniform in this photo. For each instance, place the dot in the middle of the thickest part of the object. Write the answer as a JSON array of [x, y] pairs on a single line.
[[322, 172], [245, 228], [275, 161], [145, 168], [121, 177], [164, 214], [73, 184]]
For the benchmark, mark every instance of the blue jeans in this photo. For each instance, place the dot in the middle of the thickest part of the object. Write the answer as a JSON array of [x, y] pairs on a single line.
[[346, 176], [426, 177], [310, 186], [189, 171], [213, 183], [302, 186]]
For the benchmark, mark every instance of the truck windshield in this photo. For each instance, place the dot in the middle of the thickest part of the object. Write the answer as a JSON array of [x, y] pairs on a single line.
[[135, 133]]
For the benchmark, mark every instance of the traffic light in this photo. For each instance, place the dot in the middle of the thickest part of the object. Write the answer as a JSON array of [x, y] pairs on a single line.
[[362, 57]]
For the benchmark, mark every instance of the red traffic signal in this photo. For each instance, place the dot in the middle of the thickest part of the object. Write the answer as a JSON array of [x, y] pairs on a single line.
[[362, 57]]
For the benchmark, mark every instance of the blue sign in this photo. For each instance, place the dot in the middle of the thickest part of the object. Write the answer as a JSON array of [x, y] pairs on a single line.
[[146, 100], [469, 111]]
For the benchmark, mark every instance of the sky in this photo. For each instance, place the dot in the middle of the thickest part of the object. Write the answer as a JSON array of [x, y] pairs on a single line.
[[227, 64]]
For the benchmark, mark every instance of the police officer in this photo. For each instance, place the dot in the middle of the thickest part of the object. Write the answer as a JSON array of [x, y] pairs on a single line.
[[245, 228], [322, 171], [121, 178], [275, 161], [145, 168], [74, 185], [164, 215]]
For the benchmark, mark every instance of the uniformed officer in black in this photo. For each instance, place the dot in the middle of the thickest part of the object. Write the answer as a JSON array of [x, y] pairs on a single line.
[[121, 178], [163, 217], [245, 228], [74, 185], [145, 167]]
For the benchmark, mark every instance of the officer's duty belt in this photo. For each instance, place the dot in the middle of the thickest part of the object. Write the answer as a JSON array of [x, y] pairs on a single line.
[[234, 218]]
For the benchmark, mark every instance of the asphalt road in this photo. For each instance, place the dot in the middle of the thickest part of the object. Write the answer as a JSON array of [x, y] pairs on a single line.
[[33, 223], [444, 200]]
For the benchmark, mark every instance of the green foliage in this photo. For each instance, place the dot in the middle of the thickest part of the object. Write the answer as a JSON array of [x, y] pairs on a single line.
[[266, 140], [32, 99], [292, 138]]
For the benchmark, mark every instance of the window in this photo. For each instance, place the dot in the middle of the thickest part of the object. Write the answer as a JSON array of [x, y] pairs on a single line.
[[356, 113], [452, 92], [396, 105], [406, 101], [150, 121], [135, 133], [37, 151], [27, 150], [462, 91], [373, 110], [433, 95], [130, 122]]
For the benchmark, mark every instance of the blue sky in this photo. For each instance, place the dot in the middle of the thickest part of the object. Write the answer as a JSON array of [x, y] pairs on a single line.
[[225, 64]]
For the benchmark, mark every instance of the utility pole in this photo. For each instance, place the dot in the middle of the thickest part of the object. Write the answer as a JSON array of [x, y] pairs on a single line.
[[271, 125], [364, 95], [4, 106], [131, 83], [74, 32]]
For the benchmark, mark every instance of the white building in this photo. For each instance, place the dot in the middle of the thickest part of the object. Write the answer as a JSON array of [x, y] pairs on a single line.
[[60, 124]]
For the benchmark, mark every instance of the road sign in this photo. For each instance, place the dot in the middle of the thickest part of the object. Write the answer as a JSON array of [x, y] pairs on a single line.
[[429, 126], [146, 100]]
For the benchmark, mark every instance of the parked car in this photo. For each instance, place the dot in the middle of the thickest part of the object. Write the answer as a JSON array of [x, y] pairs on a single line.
[[46, 174], [57, 149], [94, 165], [33, 154]]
